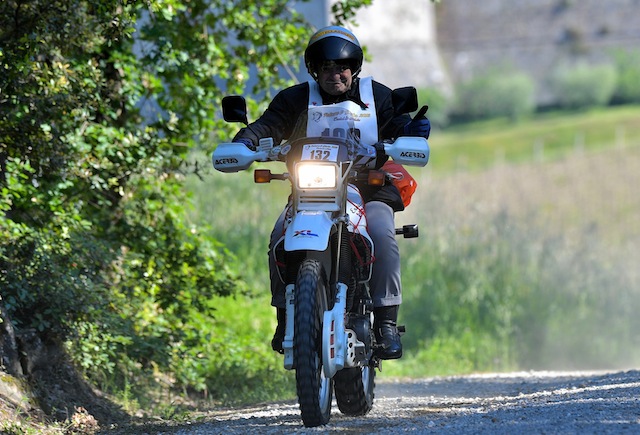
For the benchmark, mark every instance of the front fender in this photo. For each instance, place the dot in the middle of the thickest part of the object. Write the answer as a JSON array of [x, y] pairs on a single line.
[[308, 231]]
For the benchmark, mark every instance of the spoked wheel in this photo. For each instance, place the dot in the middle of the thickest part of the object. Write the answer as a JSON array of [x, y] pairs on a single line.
[[354, 390], [313, 388]]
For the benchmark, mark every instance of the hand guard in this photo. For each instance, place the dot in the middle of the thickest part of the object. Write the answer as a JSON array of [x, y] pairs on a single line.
[[247, 142]]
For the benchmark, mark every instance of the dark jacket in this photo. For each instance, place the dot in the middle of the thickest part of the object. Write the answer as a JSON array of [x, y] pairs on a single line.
[[282, 114]]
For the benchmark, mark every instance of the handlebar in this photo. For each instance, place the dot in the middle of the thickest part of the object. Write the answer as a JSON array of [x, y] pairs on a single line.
[[235, 157]]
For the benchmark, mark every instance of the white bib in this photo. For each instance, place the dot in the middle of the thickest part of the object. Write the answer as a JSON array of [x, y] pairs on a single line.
[[337, 119]]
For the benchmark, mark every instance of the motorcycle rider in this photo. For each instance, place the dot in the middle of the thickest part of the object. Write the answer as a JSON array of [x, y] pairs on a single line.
[[334, 58]]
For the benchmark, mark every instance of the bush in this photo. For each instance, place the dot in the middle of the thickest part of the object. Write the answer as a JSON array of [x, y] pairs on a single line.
[[439, 106], [496, 94], [486, 293], [628, 84], [583, 85]]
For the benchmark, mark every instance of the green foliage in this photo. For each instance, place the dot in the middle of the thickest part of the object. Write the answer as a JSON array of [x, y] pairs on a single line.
[[502, 295], [497, 93], [579, 86], [628, 83], [482, 292], [439, 106], [245, 323], [466, 291], [236, 364], [17, 428], [194, 55], [50, 281], [94, 348], [482, 144], [102, 103], [345, 11], [51, 266], [446, 354]]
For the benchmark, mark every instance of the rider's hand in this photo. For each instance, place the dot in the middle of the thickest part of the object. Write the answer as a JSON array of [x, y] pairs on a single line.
[[418, 127], [247, 142]]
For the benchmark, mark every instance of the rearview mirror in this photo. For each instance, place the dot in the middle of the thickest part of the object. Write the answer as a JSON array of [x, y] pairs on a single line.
[[404, 100], [234, 109]]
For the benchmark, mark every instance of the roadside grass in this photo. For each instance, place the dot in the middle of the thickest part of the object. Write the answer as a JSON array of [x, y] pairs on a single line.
[[547, 136], [529, 266], [240, 214], [526, 259]]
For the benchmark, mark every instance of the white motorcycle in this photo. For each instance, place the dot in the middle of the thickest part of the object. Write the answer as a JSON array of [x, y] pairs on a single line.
[[326, 252]]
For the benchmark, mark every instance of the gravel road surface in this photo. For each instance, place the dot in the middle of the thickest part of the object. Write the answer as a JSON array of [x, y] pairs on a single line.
[[513, 403]]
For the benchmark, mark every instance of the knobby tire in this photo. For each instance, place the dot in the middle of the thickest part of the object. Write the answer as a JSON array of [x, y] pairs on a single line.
[[314, 390], [354, 390]]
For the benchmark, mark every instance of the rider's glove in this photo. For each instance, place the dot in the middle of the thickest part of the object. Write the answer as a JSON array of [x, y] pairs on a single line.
[[248, 143], [418, 127]]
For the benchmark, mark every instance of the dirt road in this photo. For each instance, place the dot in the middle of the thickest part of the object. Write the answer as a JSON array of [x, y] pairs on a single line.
[[528, 402]]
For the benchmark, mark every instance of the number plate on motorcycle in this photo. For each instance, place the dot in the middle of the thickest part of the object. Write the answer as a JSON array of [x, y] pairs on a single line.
[[324, 152]]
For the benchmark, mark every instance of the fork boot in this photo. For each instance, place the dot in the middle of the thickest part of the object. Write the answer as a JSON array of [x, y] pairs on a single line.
[[278, 336], [386, 331]]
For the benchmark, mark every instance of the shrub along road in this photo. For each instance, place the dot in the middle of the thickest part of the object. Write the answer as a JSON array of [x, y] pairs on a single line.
[[524, 402]]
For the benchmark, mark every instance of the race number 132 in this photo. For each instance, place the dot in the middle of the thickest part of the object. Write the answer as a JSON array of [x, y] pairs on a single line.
[[325, 152]]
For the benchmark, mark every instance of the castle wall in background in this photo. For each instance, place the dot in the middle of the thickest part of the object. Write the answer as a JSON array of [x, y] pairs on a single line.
[[400, 37], [535, 36], [419, 43]]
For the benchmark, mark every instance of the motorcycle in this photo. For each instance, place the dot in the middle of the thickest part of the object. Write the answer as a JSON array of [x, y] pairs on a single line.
[[326, 253]]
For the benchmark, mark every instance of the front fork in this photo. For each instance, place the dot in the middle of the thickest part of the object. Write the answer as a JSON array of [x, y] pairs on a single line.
[[335, 346], [287, 344], [340, 346]]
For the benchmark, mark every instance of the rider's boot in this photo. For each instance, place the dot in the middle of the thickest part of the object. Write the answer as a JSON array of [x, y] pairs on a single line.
[[386, 330], [278, 336]]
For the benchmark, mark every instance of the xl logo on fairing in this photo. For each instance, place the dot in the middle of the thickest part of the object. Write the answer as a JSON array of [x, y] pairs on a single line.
[[304, 233], [228, 161], [413, 155]]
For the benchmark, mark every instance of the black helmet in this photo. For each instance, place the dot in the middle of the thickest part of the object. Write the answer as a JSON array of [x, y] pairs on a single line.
[[333, 43]]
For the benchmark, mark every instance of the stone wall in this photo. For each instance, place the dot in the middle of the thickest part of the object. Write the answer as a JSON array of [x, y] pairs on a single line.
[[400, 37], [535, 36], [419, 43]]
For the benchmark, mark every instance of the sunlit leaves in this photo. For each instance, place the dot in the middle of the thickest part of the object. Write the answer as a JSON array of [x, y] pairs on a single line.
[[102, 102]]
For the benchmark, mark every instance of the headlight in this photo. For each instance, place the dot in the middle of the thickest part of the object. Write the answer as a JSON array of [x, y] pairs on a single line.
[[315, 176]]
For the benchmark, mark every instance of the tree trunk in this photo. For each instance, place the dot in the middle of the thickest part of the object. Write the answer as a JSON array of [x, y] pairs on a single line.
[[9, 354]]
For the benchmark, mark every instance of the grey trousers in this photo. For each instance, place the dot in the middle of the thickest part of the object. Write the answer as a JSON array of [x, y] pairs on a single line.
[[386, 287]]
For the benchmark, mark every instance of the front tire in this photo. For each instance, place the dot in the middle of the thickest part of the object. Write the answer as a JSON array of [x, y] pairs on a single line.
[[314, 389]]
